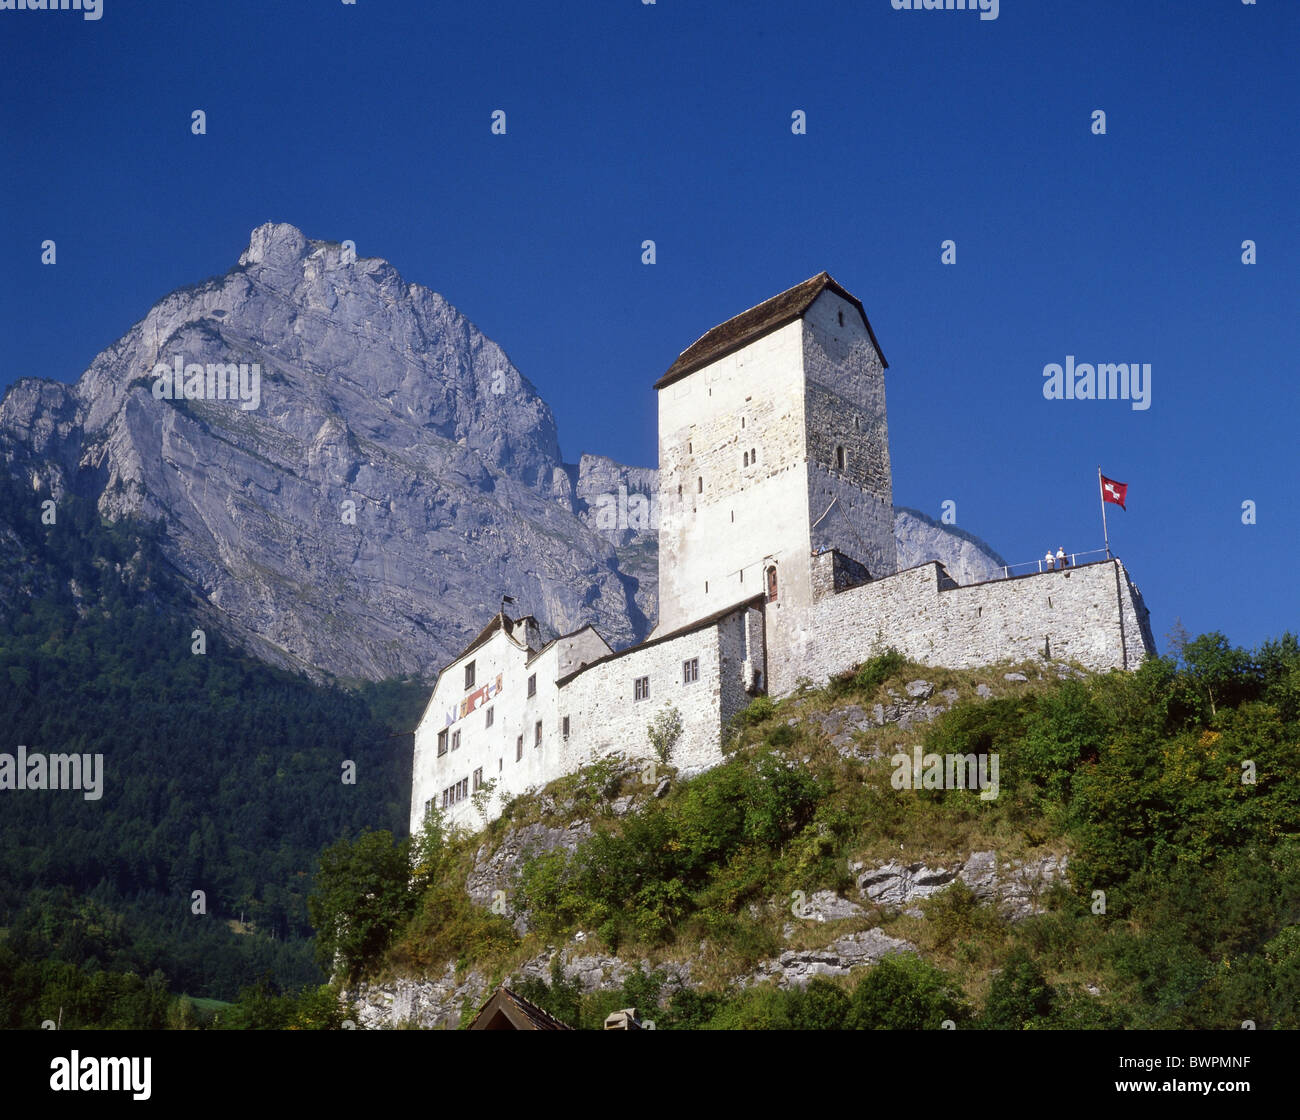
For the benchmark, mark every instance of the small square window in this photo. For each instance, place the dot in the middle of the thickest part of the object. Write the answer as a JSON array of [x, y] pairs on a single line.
[[641, 688], [691, 671], [442, 742], [488, 722], [469, 675], [532, 685]]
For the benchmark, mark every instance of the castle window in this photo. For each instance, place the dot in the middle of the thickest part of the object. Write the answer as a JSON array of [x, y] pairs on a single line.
[[746, 459], [641, 688], [691, 671], [469, 675], [428, 808], [478, 779], [733, 516], [455, 740], [742, 423], [841, 316], [706, 587], [489, 718], [537, 734], [532, 685], [442, 742], [462, 789], [857, 423], [771, 585], [753, 456], [501, 765], [699, 485], [519, 749], [564, 727], [840, 457], [690, 448], [679, 491]]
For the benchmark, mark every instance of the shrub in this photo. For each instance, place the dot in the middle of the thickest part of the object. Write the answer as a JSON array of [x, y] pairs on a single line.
[[1019, 995], [822, 1006], [903, 993], [869, 676]]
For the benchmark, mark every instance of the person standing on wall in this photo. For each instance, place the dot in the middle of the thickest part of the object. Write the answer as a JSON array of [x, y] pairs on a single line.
[[1060, 556]]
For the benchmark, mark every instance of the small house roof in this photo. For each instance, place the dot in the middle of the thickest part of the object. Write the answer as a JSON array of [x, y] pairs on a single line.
[[509, 1011]]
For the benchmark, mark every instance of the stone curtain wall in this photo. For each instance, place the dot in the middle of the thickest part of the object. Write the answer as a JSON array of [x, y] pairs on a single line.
[[1076, 611], [605, 716]]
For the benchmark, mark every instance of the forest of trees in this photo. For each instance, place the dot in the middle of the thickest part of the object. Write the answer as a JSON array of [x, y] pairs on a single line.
[[221, 775]]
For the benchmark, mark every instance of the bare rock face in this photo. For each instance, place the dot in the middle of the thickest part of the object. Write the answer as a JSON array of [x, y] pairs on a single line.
[[621, 505], [396, 477], [1014, 886], [796, 967], [966, 558]]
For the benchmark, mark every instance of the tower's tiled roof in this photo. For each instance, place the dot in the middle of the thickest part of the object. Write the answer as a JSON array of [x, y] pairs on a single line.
[[742, 329]]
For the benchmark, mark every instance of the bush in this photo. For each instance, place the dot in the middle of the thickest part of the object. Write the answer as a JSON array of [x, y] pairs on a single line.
[[903, 993], [1019, 995], [869, 676], [822, 1006]]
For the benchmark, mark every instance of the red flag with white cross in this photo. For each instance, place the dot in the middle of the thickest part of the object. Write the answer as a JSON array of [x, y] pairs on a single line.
[[1114, 492]]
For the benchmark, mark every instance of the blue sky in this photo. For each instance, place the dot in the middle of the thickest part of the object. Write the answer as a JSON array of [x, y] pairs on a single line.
[[672, 121]]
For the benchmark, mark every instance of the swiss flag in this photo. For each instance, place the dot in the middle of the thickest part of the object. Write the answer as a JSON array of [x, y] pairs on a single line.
[[1112, 491]]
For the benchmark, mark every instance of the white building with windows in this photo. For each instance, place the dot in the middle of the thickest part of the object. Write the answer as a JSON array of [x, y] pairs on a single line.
[[776, 562]]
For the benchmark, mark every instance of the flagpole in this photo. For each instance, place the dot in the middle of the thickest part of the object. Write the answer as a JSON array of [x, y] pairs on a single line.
[[1102, 495]]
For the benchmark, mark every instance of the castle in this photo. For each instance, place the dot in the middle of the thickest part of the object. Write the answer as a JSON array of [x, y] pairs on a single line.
[[777, 562]]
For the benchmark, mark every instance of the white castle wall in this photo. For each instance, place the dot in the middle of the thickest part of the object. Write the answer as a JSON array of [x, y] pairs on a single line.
[[598, 700], [712, 542]]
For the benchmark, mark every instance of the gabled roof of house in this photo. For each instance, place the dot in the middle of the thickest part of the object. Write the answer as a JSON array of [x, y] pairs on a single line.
[[571, 634], [749, 325], [508, 1011]]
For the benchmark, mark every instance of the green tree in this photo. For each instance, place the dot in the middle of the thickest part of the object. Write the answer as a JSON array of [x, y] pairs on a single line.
[[1219, 671], [664, 731], [362, 895]]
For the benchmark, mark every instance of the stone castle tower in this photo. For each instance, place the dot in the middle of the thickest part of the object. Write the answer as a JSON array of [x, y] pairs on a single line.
[[773, 446]]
